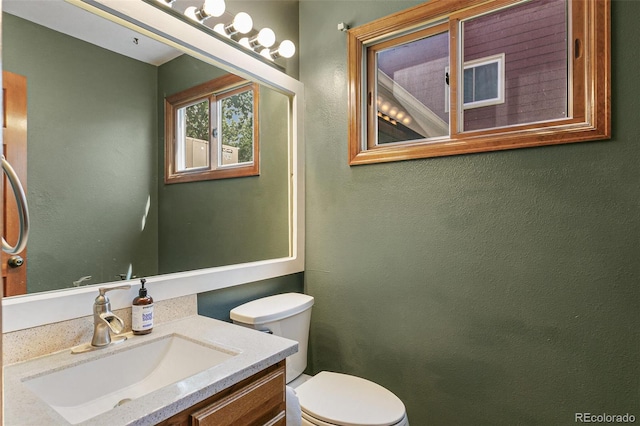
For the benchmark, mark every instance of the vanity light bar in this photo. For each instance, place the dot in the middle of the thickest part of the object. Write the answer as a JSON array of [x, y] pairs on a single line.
[[391, 113], [240, 29]]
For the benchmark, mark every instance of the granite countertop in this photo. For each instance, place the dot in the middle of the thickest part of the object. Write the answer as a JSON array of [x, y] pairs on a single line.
[[254, 352]]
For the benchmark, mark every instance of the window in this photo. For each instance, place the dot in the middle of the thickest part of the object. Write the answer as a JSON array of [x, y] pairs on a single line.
[[211, 131], [515, 74], [483, 83]]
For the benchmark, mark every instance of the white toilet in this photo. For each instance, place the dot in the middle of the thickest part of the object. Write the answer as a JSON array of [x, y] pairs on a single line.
[[326, 399]]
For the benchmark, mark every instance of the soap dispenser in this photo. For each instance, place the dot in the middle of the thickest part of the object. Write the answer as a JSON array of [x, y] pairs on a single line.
[[142, 311]]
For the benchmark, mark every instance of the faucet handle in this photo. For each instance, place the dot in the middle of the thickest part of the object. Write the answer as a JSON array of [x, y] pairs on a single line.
[[102, 298]]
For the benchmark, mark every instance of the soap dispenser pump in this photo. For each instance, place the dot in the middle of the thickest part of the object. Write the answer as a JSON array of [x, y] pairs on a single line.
[[142, 311]]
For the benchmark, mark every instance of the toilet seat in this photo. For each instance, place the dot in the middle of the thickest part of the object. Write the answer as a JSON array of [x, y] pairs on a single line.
[[334, 399], [312, 421]]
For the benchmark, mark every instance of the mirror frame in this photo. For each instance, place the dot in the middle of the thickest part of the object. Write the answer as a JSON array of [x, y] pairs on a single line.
[[21, 312]]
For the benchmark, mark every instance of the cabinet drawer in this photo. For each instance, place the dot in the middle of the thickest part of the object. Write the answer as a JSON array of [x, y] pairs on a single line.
[[261, 402], [255, 401]]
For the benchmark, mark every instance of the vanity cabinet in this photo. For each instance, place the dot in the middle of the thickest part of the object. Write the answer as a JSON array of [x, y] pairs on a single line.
[[256, 401]]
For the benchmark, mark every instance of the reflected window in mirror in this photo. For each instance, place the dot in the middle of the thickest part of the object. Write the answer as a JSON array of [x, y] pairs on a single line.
[[211, 131], [448, 78]]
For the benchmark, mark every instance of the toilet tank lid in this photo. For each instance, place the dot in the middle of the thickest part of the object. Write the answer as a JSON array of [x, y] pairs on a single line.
[[271, 308]]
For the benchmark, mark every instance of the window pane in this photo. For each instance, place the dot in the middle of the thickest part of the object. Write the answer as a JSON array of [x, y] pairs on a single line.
[[533, 38], [411, 90], [193, 136], [485, 82], [468, 85], [237, 128]]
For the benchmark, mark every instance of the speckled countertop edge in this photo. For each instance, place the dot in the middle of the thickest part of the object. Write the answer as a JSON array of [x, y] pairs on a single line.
[[256, 351]]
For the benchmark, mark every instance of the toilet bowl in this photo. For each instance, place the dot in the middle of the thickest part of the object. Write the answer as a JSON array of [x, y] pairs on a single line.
[[328, 398]]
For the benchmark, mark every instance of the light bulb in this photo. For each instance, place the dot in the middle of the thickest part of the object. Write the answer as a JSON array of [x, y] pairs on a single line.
[[266, 37], [214, 7], [190, 13], [385, 107], [267, 54], [286, 49], [393, 111], [400, 115], [243, 23], [219, 28], [244, 42]]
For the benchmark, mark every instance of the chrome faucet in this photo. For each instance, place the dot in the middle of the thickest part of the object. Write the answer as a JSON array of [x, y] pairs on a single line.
[[104, 320]]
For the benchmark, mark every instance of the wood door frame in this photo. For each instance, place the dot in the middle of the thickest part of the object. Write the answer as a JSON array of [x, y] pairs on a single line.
[[14, 129]]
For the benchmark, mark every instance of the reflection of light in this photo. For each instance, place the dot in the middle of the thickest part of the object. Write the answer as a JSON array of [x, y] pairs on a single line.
[[129, 271], [266, 53], [385, 117], [390, 112], [219, 28], [190, 13], [146, 212]]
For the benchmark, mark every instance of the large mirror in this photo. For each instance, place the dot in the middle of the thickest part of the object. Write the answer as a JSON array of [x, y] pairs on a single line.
[[100, 210], [98, 202]]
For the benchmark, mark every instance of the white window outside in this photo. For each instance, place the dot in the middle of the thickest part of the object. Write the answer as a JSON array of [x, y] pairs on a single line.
[[483, 82]]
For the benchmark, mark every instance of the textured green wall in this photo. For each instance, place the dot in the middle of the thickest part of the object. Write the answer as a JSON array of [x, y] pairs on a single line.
[[91, 157], [490, 289]]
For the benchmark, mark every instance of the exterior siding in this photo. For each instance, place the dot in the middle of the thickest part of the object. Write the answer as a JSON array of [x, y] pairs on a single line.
[[533, 38]]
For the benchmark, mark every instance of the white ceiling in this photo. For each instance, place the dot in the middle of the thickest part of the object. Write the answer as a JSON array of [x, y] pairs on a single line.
[[76, 22]]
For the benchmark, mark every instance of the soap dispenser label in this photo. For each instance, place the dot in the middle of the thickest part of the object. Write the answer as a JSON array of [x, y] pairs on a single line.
[[142, 317]]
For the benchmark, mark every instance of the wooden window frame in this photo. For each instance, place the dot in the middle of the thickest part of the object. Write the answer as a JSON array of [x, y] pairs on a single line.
[[589, 83], [213, 90]]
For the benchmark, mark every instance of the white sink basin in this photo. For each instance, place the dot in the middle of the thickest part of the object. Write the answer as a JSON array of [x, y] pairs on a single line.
[[86, 390]]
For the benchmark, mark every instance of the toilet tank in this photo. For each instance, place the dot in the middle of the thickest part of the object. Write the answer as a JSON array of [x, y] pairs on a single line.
[[287, 315]]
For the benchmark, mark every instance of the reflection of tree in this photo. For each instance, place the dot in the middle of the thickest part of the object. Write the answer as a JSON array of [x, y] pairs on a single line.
[[197, 118], [237, 124]]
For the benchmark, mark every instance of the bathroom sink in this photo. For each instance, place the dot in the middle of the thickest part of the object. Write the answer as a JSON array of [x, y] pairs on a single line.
[[82, 391]]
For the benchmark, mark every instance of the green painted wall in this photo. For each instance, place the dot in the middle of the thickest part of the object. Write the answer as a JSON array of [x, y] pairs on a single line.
[[490, 289], [91, 157]]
